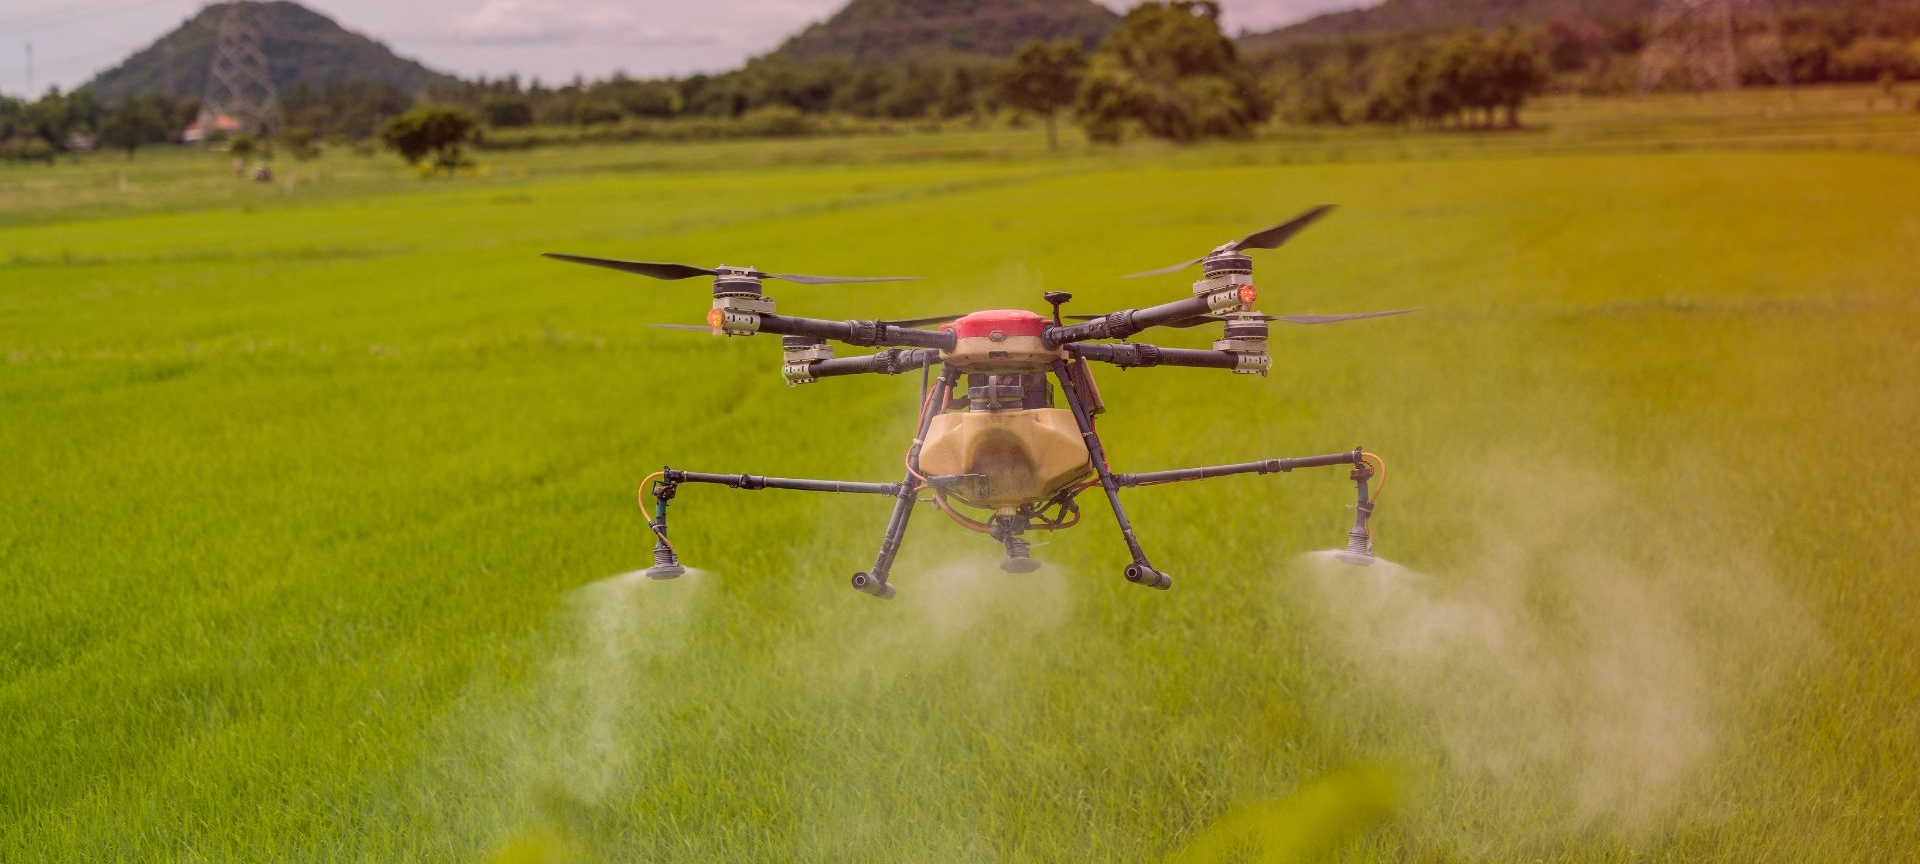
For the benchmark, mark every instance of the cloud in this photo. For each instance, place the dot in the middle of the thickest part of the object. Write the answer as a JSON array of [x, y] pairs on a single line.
[[555, 23]]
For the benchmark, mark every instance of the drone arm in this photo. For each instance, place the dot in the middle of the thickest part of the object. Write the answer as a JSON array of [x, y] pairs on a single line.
[[1126, 322], [1136, 354], [889, 362], [863, 333]]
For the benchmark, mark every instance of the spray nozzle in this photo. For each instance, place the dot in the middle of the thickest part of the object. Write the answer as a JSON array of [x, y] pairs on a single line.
[[1359, 551], [1140, 574], [866, 583], [666, 564]]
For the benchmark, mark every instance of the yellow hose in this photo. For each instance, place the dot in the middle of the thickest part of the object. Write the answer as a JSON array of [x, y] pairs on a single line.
[[641, 498]]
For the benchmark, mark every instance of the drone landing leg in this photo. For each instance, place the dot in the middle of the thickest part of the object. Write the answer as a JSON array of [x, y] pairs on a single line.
[[874, 581], [1139, 572]]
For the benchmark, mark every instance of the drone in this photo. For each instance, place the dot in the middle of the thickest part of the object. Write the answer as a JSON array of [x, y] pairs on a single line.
[[992, 437]]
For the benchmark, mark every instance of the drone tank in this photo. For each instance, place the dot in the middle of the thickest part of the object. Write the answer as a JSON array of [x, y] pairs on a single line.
[[1007, 439]]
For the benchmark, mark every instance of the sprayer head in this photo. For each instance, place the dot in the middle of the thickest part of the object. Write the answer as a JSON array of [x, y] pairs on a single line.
[[867, 584], [1140, 574], [1359, 551], [1019, 558], [666, 565]]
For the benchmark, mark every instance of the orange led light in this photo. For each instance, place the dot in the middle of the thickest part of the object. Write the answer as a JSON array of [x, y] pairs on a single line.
[[1248, 295], [716, 318]]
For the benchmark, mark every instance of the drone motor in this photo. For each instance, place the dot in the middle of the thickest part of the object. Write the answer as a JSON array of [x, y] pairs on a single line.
[[1246, 340], [797, 356]]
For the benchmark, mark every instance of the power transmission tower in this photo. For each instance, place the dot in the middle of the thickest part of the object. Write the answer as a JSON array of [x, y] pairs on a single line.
[[237, 83], [1700, 39]]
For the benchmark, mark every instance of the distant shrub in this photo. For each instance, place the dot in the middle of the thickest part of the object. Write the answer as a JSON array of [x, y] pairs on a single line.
[[507, 112], [436, 134], [597, 113], [299, 141], [769, 122], [1103, 130], [776, 121], [27, 149]]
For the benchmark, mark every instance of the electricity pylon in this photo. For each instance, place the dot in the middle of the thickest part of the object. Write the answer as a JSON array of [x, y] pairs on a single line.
[[237, 83], [1701, 40]]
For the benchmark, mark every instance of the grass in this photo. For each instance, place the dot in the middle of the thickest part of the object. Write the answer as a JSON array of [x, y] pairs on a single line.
[[311, 490]]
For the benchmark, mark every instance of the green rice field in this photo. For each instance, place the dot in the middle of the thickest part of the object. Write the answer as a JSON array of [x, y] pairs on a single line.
[[317, 497]]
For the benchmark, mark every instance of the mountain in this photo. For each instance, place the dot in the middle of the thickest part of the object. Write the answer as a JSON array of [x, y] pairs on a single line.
[[301, 46], [883, 31], [1399, 15]]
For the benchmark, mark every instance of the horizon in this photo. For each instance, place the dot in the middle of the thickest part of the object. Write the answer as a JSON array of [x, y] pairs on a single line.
[[545, 40]]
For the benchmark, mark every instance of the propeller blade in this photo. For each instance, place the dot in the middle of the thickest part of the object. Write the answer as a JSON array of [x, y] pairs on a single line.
[[830, 280], [1281, 233], [921, 322], [686, 327], [660, 270], [1165, 270], [1329, 319], [1270, 238], [643, 268]]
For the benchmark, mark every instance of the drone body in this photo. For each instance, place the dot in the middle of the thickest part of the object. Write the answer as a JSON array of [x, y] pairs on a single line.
[[1008, 427]]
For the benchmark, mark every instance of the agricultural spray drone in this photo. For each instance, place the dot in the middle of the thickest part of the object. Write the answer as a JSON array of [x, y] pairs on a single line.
[[996, 443]]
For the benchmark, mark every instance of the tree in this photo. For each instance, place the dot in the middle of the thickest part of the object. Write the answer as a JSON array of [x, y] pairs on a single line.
[[1518, 72], [1043, 79], [438, 131], [507, 111], [300, 141], [1170, 68], [135, 122]]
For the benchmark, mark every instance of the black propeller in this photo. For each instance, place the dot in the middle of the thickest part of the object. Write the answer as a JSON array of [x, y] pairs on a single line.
[[687, 271], [1290, 319], [920, 322], [1270, 238]]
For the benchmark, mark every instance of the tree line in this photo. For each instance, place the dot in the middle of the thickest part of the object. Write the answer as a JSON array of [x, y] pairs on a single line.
[[1167, 71], [1439, 78]]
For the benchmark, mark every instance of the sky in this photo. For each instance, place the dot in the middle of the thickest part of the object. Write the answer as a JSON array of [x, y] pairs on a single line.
[[66, 42]]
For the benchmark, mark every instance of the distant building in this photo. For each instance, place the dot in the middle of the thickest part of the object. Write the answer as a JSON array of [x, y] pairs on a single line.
[[81, 142], [211, 126]]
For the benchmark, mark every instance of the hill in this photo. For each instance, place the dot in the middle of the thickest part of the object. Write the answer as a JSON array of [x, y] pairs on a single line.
[[1397, 15], [304, 46], [880, 31], [1415, 15]]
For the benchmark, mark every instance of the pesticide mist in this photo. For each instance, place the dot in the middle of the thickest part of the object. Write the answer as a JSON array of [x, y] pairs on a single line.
[[629, 735], [1583, 672]]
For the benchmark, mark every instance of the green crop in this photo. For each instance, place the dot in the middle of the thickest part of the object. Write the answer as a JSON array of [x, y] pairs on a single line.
[[315, 495]]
